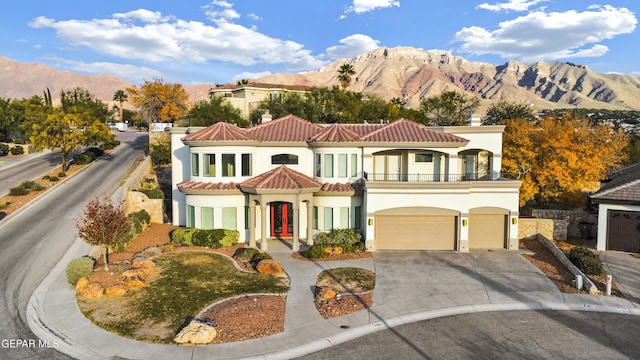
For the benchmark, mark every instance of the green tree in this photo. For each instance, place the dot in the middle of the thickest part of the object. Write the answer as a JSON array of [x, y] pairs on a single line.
[[345, 72], [449, 108], [242, 82], [565, 157], [81, 102], [103, 224], [67, 132], [501, 111], [158, 101], [120, 96], [211, 111]]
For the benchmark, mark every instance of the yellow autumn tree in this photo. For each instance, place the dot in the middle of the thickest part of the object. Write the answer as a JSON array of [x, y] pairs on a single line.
[[158, 101], [563, 158]]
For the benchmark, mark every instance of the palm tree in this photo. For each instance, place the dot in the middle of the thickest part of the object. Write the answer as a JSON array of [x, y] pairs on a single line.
[[344, 75], [120, 96]]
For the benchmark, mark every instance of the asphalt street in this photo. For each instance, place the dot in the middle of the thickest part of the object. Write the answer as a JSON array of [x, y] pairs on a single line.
[[500, 335], [34, 239]]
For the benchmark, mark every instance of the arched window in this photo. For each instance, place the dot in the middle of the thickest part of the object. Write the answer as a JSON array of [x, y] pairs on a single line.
[[284, 159]]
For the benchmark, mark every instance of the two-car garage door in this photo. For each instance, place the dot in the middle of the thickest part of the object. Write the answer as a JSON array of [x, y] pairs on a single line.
[[437, 229], [416, 228]]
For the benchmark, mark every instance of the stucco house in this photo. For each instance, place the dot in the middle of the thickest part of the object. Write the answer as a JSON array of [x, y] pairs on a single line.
[[400, 184], [618, 202]]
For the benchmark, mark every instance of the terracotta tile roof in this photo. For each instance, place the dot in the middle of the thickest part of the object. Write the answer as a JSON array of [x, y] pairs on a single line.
[[232, 86], [337, 187], [220, 131], [404, 130], [281, 178], [288, 128], [363, 129], [620, 185], [198, 185], [335, 133]]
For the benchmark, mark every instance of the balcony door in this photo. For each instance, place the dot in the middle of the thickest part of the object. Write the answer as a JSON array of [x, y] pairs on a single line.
[[387, 167]]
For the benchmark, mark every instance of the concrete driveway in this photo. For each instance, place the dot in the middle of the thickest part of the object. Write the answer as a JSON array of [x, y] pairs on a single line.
[[408, 281], [625, 269]]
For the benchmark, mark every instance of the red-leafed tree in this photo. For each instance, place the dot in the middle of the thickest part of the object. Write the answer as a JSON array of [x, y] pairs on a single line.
[[103, 224]]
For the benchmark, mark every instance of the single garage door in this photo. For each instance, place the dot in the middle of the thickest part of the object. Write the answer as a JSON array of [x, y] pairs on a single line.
[[487, 231], [623, 231], [420, 232]]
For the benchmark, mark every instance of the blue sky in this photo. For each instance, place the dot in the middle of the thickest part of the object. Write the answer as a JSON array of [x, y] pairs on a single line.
[[218, 41]]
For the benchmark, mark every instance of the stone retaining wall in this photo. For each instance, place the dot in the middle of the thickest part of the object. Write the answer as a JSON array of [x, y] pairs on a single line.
[[136, 200], [573, 219], [530, 228]]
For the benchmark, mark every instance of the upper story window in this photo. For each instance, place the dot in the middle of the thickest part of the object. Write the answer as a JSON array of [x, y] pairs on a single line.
[[424, 158], [209, 165], [246, 165], [284, 159], [228, 165], [195, 165], [336, 165]]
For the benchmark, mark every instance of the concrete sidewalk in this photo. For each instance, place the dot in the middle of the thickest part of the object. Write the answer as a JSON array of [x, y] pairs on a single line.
[[410, 286]]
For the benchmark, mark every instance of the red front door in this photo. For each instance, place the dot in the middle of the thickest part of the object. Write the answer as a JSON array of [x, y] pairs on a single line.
[[281, 219]]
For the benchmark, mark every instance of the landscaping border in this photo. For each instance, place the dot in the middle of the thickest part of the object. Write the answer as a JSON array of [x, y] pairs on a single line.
[[559, 254]]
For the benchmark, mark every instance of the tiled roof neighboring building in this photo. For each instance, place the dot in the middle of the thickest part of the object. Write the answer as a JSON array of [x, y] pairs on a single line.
[[288, 128], [281, 178], [220, 131], [620, 185], [338, 187]]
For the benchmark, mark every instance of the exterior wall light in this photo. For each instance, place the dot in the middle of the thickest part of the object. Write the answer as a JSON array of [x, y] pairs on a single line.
[[464, 222], [514, 220], [370, 222]]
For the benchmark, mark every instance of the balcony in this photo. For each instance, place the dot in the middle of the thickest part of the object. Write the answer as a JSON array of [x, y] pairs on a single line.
[[431, 178]]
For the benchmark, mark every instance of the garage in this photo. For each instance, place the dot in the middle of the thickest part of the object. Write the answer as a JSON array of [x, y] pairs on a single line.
[[407, 229], [488, 228], [623, 230]]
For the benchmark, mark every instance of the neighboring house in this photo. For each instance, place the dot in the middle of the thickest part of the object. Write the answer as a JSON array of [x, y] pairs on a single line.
[[401, 185], [619, 210], [247, 97]]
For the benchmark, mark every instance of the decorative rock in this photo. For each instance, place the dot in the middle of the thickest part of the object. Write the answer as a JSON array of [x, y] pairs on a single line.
[[116, 291], [92, 291], [328, 250], [327, 294], [269, 267], [145, 267], [81, 284], [337, 250], [196, 333], [133, 283]]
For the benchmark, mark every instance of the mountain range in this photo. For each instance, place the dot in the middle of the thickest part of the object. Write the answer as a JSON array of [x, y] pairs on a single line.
[[406, 73]]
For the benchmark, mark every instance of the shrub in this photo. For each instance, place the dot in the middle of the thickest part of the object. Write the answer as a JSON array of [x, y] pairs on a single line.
[[82, 159], [348, 239], [17, 150], [79, 268], [229, 238], [4, 148], [153, 193], [62, 174], [245, 254], [28, 184], [183, 236], [46, 177], [97, 152], [586, 261], [203, 237], [18, 191], [161, 151], [53, 178], [18, 141], [256, 258], [139, 220], [316, 252]]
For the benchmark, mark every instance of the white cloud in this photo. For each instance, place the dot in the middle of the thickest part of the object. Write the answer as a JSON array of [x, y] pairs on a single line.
[[511, 5], [541, 36], [122, 70], [363, 6], [253, 16], [251, 75], [158, 38], [351, 46]]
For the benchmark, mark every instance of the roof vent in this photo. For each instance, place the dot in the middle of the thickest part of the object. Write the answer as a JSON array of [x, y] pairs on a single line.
[[266, 117]]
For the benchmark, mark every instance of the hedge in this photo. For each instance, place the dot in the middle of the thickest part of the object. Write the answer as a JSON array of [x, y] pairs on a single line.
[[585, 260], [213, 238]]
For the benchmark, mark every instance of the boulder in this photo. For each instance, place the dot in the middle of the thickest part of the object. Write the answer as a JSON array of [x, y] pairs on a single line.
[[269, 267], [92, 291], [145, 268], [326, 294], [116, 291], [81, 284], [196, 333]]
